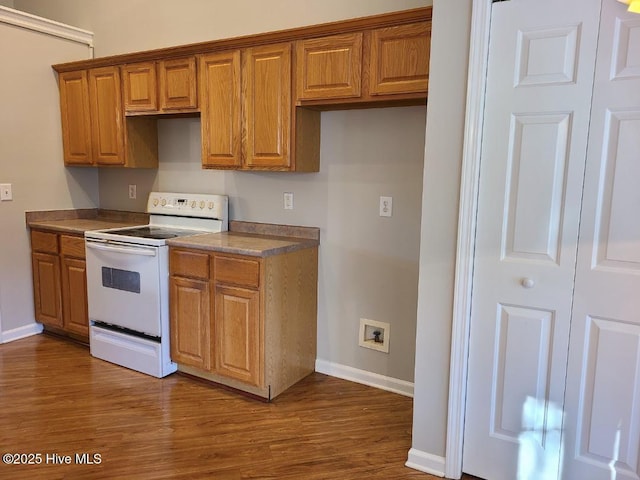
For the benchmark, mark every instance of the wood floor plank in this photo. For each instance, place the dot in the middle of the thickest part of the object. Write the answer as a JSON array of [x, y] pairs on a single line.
[[57, 399]]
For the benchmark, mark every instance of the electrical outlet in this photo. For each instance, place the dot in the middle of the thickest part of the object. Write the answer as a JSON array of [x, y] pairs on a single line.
[[386, 206], [5, 192], [288, 200], [374, 335], [133, 191]]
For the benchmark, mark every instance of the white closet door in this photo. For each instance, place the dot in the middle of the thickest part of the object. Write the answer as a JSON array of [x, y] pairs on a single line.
[[539, 86], [603, 381]]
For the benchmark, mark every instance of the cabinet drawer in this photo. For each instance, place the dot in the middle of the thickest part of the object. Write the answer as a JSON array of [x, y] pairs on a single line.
[[71, 246], [44, 242], [236, 271], [186, 263]]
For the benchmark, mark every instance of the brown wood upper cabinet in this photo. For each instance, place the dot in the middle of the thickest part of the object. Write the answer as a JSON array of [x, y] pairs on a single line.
[[388, 64], [140, 87], [329, 67], [107, 120], [166, 86], [400, 59], [259, 96], [94, 130], [247, 115], [76, 124]]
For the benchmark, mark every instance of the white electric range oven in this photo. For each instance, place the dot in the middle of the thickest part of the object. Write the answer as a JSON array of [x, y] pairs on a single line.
[[128, 279]]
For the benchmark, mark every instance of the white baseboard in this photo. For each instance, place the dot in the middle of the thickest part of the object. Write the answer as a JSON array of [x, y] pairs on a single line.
[[426, 462], [390, 384], [20, 332]]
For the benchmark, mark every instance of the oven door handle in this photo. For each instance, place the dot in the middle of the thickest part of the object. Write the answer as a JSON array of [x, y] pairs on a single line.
[[149, 252]]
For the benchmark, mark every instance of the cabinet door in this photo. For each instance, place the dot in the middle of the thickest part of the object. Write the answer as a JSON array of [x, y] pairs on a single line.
[[76, 125], [46, 289], [400, 59], [266, 85], [106, 116], [220, 109], [190, 322], [238, 334], [329, 67], [140, 92], [74, 296], [178, 84]]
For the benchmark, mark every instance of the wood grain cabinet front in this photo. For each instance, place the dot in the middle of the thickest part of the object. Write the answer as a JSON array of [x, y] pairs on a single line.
[[329, 67], [94, 129], [190, 308], [165, 86], [140, 87], [60, 283], [76, 123], [399, 62], [251, 325], [248, 119], [107, 117], [375, 67], [178, 85]]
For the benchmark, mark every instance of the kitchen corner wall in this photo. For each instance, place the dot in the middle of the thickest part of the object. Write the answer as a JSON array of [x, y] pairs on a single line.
[[368, 264], [31, 160]]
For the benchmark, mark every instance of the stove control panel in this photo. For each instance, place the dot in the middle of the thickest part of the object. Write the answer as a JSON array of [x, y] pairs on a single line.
[[188, 205]]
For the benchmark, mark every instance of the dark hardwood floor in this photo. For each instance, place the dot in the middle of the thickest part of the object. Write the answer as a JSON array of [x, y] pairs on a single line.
[[56, 399]]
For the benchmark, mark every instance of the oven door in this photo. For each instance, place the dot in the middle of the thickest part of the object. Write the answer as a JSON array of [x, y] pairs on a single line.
[[124, 285]]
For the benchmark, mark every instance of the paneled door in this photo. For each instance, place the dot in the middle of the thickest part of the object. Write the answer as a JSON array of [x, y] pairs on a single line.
[[602, 407], [536, 123]]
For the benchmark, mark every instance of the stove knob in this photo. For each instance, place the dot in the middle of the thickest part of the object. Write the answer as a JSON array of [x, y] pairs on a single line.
[[193, 204], [201, 203], [155, 202], [210, 205], [164, 202]]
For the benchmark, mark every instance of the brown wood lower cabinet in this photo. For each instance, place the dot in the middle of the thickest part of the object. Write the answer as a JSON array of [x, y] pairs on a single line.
[[246, 322], [60, 283]]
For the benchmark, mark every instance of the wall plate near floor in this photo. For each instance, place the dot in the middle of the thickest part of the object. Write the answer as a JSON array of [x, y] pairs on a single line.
[[374, 335]]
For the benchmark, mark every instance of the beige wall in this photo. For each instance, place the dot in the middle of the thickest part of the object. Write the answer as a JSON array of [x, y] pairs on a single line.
[[31, 159], [6, 3], [122, 26], [441, 188], [368, 264], [357, 166]]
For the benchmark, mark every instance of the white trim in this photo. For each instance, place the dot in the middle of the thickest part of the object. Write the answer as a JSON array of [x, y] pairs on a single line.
[[376, 380], [44, 25], [426, 462], [478, 58], [20, 332]]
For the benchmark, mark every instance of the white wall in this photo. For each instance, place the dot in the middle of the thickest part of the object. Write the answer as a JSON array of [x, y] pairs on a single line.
[[31, 159], [441, 186]]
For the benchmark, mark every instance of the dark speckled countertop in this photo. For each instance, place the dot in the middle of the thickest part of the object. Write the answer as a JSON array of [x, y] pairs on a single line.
[[243, 238]]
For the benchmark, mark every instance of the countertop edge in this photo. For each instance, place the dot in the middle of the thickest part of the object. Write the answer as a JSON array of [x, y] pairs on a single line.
[[295, 244]]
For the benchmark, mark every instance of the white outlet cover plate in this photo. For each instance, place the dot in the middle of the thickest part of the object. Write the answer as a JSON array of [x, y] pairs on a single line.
[[386, 206], [288, 200], [366, 326], [6, 193]]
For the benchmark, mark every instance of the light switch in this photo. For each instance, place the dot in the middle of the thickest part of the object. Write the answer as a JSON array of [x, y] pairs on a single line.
[[5, 192]]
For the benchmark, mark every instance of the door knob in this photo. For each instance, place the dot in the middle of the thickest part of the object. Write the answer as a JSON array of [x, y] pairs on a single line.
[[528, 282]]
